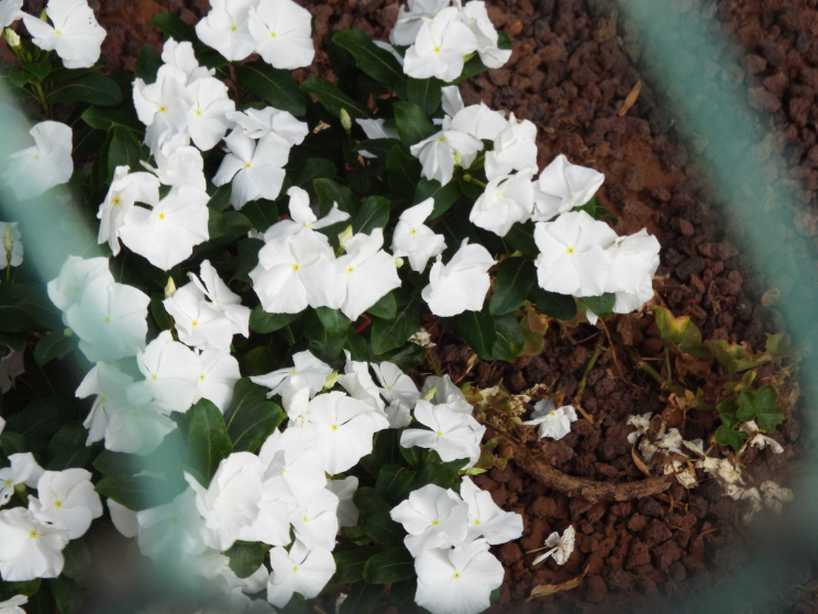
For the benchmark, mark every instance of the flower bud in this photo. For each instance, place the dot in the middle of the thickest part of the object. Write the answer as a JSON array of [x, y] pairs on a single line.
[[332, 378], [12, 38], [345, 236], [346, 120], [170, 287]]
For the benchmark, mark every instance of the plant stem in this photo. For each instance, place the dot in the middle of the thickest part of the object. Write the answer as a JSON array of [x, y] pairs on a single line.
[[469, 179], [38, 90]]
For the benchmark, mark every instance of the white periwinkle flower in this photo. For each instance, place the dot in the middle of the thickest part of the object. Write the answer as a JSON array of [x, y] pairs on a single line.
[[315, 520], [22, 469], [457, 580], [560, 547], [477, 120], [563, 186], [162, 106], [399, 391], [633, 263], [258, 123], [441, 152], [505, 202], [75, 275], [166, 234], [411, 17], [12, 606], [67, 499], [11, 250], [10, 11], [282, 31], [123, 518], [552, 422], [126, 189], [452, 433], [226, 28], [515, 149], [440, 47], [31, 549], [414, 240], [307, 371], [476, 17], [486, 518], [462, 283], [433, 517], [366, 273], [256, 168], [345, 491], [74, 32], [179, 164], [301, 570], [171, 371], [207, 120], [573, 258], [48, 163]]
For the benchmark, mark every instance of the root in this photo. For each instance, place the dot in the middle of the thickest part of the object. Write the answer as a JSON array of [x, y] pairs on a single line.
[[590, 490]]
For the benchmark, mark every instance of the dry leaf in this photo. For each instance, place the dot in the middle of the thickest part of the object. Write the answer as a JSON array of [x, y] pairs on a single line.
[[546, 590], [630, 99], [640, 464]]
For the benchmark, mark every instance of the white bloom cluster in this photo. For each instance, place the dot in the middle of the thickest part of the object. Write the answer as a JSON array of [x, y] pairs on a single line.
[[449, 535], [33, 538], [73, 33]]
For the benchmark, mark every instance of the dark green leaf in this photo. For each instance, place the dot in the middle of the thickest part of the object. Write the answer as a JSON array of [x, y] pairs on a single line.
[[509, 340], [67, 448], [477, 329], [425, 93], [762, 406], [332, 98], [333, 321], [247, 557], [330, 192], [728, 436], [350, 563], [105, 119], [173, 27], [40, 419], [557, 306], [26, 307], [53, 346], [374, 213], [386, 308], [123, 150], [402, 170], [275, 87], [67, 595], [445, 196], [390, 566], [136, 492], [601, 305], [265, 323], [72, 86], [313, 169], [159, 314], [251, 417], [375, 62], [412, 123], [148, 63], [388, 335], [394, 482], [207, 440], [227, 225], [258, 361], [521, 238], [516, 278]]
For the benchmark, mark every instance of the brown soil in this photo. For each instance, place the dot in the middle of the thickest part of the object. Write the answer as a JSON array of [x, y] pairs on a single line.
[[572, 75]]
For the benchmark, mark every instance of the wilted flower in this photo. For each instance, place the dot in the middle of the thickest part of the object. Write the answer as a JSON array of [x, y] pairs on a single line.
[[126, 189], [399, 392], [259, 123], [476, 16], [552, 422], [22, 469], [560, 547], [307, 372], [74, 32], [633, 263], [487, 519]]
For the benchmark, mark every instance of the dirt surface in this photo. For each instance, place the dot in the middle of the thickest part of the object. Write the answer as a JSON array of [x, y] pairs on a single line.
[[572, 75]]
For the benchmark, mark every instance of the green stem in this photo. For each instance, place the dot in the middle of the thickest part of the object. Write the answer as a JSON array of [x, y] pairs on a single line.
[[469, 179], [40, 92]]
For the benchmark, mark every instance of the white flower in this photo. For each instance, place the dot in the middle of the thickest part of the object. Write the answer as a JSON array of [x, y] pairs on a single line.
[[453, 434], [75, 275], [126, 189], [366, 273], [230, 504], [74, 32], [207, 120], [179, 164], [433, 517], [162, 106], [256, 168], [171, 371], [441, 390], [633, 263], [110, 319], [124, 519], [440, 47], [258, 123], [411, 17], [11, 250], [462, 283], [175, 529], [414, 240], [315, 521], [340, 427], [12, 606], [166, 234], [35, 170], [31, 549], [399, 391], [300, 570], [218, 374], [457, 580], [181, 56], [358, 382], [563, 186], [505, 202], [477, 120], [226, 28], [515, 149], [572, 256], [345, 491], [282, 31], [441, 152], [22, 469], [476, 17], [66, 499], [10, 12], [560, 547], [307, 372], [486, 518], [291, 470], [552, 422], [376, 129]]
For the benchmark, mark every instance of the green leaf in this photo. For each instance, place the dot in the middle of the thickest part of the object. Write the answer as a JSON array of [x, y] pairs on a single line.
[[389, 335], [394, 482], [314, 168], [68, 596], [680, 332], [727, 435], [374, 213], [105, 119], [26, 307], [67, 448], [173, 27], [148, 63], [332, 98], [247, 557], [273, 86], [402, 170], [433, 471], [208, 442], [412, 123], [327, 331], [136, 492], [386, 308], [123, 150], [333, 321], [516, 278], [600, 305], [477, 329], [373, 61], [73, 86], [265, 323], [374, 517], [390, 566], [251, 417], [258, 361], [349, 564], [160, 314], [330, 192], [227, 225], [425, 93], [762, 406], [734, 357], [40, 419], [53, 346], [444, 196], [521, 238], [509, 340]]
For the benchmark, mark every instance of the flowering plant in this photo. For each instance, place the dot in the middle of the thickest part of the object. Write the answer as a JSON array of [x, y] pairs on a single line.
[[243, 325]]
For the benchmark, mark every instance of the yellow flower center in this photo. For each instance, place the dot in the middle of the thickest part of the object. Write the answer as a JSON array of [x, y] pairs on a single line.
[[295, 568], [116, 200], [456, 575], [296, 267], [234, 27], [8, 483], [163, 109], [107, 319], [58, 503], [413, 231], [350, 269], [438, 49], [273, 34], [435, 522], [570, 250], [202, 377], [194, 323], [439, 434], [162, 216], [248, 164], [34, 534], [333, 427]]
